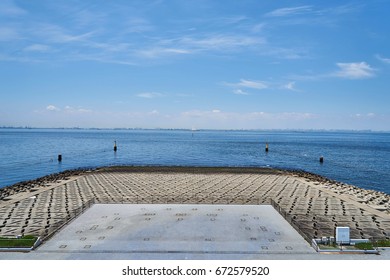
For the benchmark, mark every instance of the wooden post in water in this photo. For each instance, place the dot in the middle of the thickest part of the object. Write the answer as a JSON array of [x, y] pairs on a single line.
[[321, 159], [266, 147], [59, 158], [115, 147]]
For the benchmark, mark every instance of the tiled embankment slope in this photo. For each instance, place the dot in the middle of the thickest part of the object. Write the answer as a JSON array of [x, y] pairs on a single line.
[[316, 208]]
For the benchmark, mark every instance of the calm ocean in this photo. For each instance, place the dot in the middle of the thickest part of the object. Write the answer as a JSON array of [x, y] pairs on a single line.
[[361, 159]]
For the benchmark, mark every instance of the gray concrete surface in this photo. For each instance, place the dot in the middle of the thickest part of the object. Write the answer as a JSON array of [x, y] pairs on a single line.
[[174, 231], [151, 228]]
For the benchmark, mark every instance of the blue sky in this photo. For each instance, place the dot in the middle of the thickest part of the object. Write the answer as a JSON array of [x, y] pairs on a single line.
[[195, 64]]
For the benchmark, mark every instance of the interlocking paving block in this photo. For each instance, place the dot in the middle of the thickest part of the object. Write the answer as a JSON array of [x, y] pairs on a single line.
[[37, 222], [33, 231], [58, 215], [11, 230], [20, 215], [295, 197], [384, 223], [16, 222]]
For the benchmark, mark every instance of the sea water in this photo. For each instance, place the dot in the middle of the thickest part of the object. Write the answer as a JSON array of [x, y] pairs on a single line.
[[358, 158]]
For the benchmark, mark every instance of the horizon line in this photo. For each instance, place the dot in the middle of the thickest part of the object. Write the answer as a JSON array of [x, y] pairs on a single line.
[[202, 129]]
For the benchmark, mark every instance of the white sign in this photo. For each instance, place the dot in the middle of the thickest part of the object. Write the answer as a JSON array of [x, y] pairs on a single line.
[[342, 235]]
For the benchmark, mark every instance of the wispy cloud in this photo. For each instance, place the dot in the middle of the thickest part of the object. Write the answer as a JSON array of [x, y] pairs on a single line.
[[233, 19], [282, 12], [258, 27], [310, 10], [149, 95], [57, 34], [309, 15], [159, 52], [9, 8], [138, 25], [37, 48], [205, 43], [383, 59], [252, 84], [260, 85], [289, 86], [73, 110], [8, 34], [364, 116], [220, 42], [248, 84], [351, 71], [345, 9], [52, 108], [240, 92], [354, 70], [68, 109]]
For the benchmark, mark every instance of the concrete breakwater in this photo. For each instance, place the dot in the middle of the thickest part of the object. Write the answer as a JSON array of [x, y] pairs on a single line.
[[314, 203], [32, 185]]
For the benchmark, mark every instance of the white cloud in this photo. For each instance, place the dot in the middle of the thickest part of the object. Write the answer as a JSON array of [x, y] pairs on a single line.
[[37, 48], [216, 42], [282, 12], [258, 27], [8, 34], [252, 84], [206, 43], [57, 34], [52, 108], [247, 84], [364, 116], [149, 95], [295, 116], [220, 42], [383, 59], [240, 92], [158, 52], [154, 112], [290, 86], [8, 8], [138, 25], [216, 111], [311, 15], [354, 70], [68, 109], [83, 110], [259, 85]]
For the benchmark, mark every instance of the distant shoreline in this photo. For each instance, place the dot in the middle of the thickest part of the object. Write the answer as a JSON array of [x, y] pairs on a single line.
[[196, 130]]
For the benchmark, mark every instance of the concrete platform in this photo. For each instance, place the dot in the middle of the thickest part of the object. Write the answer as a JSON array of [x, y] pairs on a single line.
[[177, 229], [315, 208]]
